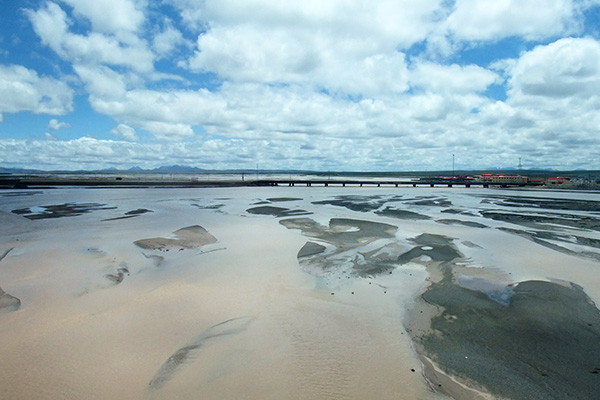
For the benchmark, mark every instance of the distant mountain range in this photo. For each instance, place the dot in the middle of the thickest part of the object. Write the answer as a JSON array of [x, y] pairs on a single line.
[[182, 169]]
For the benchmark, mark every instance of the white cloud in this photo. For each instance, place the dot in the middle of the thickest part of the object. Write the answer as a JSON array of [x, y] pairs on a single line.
[[23, 89], [353, 48], [52, 25], [452, 78], [246, 54], [332, 84], [109, 16], [125, 132], [167, 40], [167, 130], [400, 23], [50, 136], [493, 20], [565, 68], [101, 81], [427, 152], [55, 125]]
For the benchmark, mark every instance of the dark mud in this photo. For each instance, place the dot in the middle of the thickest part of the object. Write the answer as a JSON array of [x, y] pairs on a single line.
[[470, 224], [349, 240], [190, 351], [542, 342], [9, 302], [186, 238], [208, 207], [119, 276], [342, 231], [278, 212], [437, 247], [437, 202], [458, 211], [538, 221], [311, 249], [542, 238], [401, 214], [61, 210], [283, 199], [547, 204], [130, 214], [358, 203]]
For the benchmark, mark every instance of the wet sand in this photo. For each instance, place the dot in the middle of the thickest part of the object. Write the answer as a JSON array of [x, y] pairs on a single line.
[[218, 294]]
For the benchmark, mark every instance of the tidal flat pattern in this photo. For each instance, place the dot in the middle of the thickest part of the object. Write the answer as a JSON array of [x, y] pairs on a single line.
[[350, 247], [344, 293]]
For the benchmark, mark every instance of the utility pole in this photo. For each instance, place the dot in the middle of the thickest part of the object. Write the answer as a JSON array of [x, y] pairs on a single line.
[[520, 166], [453, 165]]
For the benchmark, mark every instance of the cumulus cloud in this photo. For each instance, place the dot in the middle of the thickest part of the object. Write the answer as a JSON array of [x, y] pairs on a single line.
[[531, 19], [167, 40], [354, 48], [125, 132], [426, 152], [565, 68], [55, 125], [249, 55], [452, 78], [473, 23], [52, 25], [109, 16], [23, 89], [298, 84]]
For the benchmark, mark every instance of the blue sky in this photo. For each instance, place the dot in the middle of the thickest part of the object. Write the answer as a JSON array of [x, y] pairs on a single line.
[[336, 85]]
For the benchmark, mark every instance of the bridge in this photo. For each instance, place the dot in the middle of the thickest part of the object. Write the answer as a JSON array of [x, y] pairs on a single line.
[[378, 183], [124, 182]]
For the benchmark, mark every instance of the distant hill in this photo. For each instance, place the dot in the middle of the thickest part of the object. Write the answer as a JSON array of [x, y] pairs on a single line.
[[18, 171], [182, 169]]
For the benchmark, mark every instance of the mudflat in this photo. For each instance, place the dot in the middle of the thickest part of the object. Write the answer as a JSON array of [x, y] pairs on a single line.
[[299, 293]]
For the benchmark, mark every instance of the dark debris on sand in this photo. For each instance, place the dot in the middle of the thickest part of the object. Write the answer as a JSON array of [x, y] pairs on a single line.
[[62, 210], [277, 211], [545, 344]]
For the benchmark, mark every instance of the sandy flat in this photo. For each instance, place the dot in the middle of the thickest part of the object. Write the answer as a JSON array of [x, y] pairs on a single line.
[[273, 305]]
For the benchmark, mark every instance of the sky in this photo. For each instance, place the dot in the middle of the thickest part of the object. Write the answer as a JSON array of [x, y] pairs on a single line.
[[329, 85]]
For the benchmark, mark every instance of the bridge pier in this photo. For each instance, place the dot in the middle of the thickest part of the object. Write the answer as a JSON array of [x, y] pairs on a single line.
[[468, 185], [326, 184], [379, 185], [431, 185], [449, 185], [343, 185], [414, 185], [361, 185]]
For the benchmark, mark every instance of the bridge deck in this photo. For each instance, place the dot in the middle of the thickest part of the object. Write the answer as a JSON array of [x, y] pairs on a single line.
[[106, 182]]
